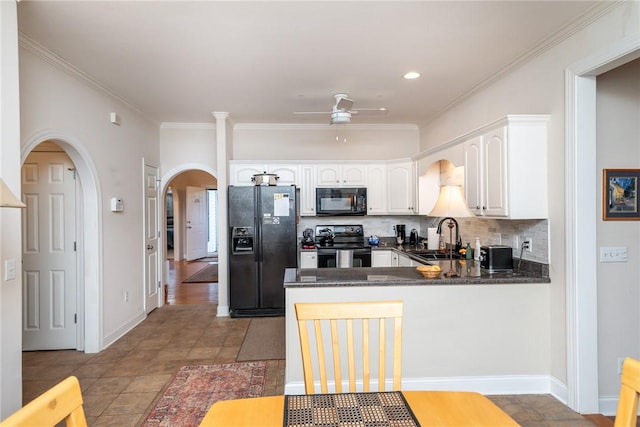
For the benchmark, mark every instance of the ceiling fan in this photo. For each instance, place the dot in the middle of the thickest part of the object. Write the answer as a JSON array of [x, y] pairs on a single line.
[[341, 112]]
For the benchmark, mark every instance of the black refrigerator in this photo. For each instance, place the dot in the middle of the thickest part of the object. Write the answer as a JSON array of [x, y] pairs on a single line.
[[262, 244]]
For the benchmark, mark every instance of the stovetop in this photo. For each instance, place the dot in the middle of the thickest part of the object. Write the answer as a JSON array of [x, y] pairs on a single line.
[[340, 236]]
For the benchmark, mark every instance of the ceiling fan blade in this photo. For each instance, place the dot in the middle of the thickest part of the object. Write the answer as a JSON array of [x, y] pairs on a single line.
[[370, 111], [311, 112]]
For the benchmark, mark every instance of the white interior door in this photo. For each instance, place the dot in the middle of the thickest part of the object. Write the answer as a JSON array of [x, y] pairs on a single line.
[[196, 223], [151, 235], [49, 256]]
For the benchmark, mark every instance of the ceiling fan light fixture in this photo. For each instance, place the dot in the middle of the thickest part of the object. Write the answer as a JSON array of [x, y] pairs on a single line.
[[412, 75], [340, 117]]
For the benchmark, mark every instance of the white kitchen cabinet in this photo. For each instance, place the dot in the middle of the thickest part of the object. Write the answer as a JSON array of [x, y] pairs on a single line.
[[506, 169], [405, 261], [309, 259], [381, 258], [287, 174], [307, 186], [377, 189], [341, 175], [401, 184], [394, 259], [242, 173]]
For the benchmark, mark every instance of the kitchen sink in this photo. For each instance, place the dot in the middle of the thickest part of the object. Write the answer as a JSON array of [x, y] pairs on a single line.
[[432, 254]]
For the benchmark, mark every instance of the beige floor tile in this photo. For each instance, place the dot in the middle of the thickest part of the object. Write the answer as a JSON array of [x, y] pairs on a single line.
[[148, 383], [130, 403]]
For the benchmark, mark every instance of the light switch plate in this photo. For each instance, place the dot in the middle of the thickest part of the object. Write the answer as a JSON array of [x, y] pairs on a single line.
[[9, 269], [613, 254]]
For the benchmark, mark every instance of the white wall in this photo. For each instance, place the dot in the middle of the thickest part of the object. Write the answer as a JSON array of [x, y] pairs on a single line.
[[10, 241], [618, 147], [318, 142], [538, 87], [187, 146], [54, 100]]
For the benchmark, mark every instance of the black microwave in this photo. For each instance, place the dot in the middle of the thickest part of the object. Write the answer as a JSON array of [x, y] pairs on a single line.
[[341, 201]]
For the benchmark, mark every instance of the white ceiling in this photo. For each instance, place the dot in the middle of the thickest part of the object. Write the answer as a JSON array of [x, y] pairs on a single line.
[[178, 61]]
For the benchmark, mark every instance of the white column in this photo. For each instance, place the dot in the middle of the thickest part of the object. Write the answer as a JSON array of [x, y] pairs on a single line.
[[222, 144]]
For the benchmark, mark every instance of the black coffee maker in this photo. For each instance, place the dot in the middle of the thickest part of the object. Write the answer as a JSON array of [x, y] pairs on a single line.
[[401, 233], [413, 237]]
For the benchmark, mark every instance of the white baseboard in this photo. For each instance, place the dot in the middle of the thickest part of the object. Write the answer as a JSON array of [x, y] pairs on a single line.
[[223, 311], [558, 389], [122, 330], [608, 405]]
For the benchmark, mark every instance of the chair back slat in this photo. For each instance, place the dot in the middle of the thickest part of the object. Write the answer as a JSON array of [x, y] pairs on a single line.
[[627, 412], [336, 355], [340, 317], [62, 402]]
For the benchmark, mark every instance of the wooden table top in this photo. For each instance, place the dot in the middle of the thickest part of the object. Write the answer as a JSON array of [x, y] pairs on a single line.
[[431, 408]]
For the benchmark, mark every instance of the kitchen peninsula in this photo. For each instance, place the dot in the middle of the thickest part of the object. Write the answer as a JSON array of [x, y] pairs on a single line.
[[483, 332]]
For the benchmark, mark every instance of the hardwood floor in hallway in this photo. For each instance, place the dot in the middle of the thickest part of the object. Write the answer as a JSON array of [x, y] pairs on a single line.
[[121, 384]]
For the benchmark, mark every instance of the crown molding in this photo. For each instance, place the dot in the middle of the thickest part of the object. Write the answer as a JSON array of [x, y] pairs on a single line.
[[309, 126], [59, 63]]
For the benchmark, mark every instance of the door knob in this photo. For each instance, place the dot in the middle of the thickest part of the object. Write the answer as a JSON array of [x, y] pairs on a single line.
[[149, 247]]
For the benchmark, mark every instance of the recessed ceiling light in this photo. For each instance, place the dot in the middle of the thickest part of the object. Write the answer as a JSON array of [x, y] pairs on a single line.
[[412, 75]]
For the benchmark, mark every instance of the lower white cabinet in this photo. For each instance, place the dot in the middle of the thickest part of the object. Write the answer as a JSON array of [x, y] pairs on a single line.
[[381, 258], [405, 261], [309, 259], [391, 258]]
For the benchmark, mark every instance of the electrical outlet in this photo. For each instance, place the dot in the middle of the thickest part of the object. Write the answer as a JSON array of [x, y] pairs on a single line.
[[620, 363], [529, 241], [516, 242]]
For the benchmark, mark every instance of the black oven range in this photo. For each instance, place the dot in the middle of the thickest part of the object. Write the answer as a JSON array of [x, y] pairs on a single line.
[[342, 246]]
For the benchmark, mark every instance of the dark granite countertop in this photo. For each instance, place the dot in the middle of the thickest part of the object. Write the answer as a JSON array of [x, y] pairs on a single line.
[[468, 270]]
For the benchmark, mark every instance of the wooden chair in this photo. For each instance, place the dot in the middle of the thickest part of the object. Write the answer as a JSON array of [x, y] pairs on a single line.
[[331, 315], [627, 412], [61, 402]]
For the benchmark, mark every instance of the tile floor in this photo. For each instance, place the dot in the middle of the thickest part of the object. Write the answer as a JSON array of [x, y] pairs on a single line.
[[121, 384]]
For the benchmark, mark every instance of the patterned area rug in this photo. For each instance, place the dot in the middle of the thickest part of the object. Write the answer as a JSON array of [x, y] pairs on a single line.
[[194, 389]]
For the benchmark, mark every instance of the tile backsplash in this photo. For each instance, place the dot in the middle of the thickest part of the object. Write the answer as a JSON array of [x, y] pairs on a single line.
[[490, 231]]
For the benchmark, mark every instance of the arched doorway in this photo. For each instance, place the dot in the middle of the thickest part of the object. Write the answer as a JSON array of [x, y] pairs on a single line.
[[88, 237], [190, 222]]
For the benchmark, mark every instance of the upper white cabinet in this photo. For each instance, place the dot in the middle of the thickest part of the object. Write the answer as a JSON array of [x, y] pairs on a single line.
[[377, 189], [287, 174], [241, 173], [506, 169], [307, 185], [341, 175], [401, 184]]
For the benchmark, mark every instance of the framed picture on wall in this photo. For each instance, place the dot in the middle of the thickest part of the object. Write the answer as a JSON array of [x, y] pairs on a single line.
[[620, 194]]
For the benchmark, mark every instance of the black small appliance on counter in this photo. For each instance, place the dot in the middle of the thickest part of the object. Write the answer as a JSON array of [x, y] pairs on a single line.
[[495, 258]]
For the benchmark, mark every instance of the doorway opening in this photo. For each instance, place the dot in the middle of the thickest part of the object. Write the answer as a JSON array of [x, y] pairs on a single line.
[[191, 216]]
